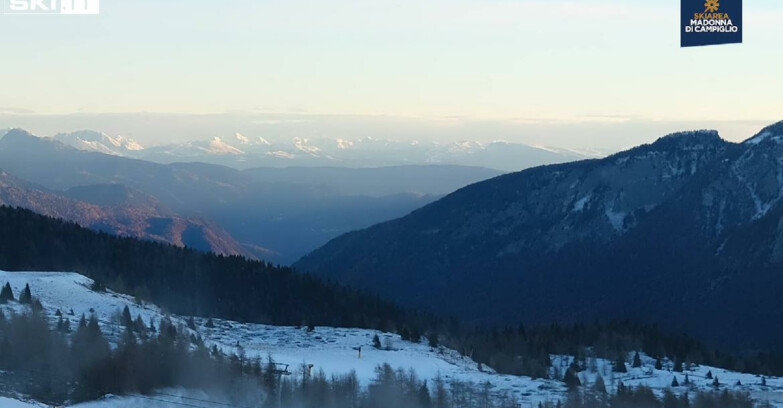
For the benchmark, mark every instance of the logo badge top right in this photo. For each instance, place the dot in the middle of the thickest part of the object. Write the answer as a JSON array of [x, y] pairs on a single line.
[[710, 22]]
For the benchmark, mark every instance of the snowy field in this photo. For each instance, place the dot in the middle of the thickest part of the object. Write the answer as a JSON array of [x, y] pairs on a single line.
[[333, 350]]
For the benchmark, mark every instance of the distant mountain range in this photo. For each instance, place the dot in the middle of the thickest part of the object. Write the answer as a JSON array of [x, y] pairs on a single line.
[[274, 214], [119, 210], [99, 142], [241, 151], [686, 232]]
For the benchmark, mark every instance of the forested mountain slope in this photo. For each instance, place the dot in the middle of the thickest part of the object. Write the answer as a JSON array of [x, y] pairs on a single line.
[[183, 280], [686, 232]]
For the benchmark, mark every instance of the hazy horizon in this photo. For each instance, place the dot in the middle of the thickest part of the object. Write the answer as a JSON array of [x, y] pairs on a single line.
[[594, 74], [600, 135]]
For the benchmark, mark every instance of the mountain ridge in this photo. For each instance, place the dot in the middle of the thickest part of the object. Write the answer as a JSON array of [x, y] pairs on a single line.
[[245, 152], [151, 221], [277, 221], [638, 235]]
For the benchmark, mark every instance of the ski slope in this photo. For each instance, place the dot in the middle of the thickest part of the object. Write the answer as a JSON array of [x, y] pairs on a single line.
[[334, 350]]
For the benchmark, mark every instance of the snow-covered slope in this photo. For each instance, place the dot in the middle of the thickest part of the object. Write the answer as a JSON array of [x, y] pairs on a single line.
[[13, 403], [328, 349], [333, 349]]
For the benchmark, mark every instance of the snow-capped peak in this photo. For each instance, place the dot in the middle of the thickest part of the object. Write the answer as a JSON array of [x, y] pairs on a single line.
[[344, 144], [91, 140], [303, 145], [465, 146], [244, 140], [131, 144], [218, 146]]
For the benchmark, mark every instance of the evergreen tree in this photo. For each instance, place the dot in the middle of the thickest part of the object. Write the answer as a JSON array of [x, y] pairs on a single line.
[[415, 334], [191, 323], [685, 402], [764, 381], [6, 294], [425, 401], [127, 320], [637, 360], [82, 323], [709, 374], [658, 364], [210, 324], [715, 382], [138, 325], [599, 386], [376, 342], [687, 380], [621, 389], [433, 340], [678, 366], [94, 327], [405, 334], [619, 365], [441, 394], [675, 383], [270, 376], [98, 286], [571, 379], [26, 297], [6, 352], [670, 400]]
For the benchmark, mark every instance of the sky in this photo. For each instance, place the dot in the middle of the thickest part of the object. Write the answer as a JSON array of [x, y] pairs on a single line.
[[536, 65]]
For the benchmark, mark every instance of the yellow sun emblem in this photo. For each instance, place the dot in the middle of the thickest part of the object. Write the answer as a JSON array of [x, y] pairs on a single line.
[[711, 6]]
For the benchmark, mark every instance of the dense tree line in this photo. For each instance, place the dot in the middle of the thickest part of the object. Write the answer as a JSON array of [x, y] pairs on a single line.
[[389, 389], [189, 282], [186, 281], [643, 397], [55, 364], [526, 350]]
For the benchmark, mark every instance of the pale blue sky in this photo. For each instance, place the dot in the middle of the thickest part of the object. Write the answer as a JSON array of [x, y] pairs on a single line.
[[575, 61]]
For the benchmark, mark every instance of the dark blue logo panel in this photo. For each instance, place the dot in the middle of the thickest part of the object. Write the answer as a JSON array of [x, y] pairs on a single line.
[[710, 22]]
